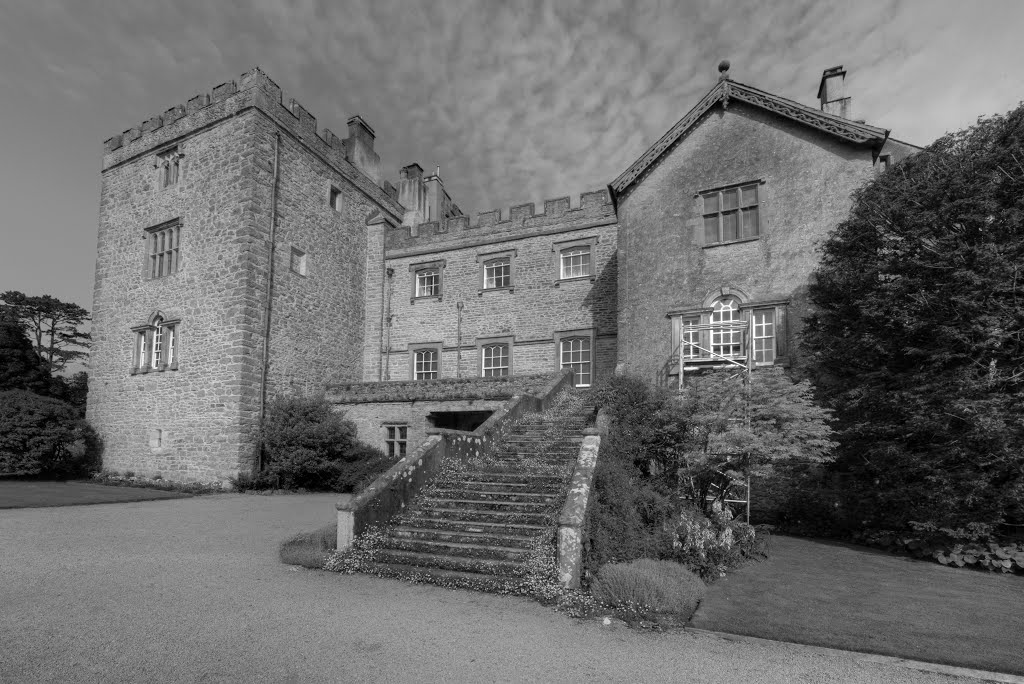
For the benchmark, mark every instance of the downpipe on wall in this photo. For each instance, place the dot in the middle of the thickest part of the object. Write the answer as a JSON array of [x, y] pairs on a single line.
[[270, 301]]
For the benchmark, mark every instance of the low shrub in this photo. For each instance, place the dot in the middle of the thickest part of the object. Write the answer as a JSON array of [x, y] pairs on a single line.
[[649, 590], [45, 437], [970, 546], [711, 546], [310, 549]]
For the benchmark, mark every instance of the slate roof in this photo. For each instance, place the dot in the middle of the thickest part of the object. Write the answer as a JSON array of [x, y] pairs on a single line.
[[727, 90]]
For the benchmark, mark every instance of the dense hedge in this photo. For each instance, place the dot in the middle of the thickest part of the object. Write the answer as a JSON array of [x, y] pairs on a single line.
[[41, 436], [306, 445]]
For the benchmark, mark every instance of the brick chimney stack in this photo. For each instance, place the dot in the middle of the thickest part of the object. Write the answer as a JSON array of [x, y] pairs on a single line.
[[832, 92], [359, 148]]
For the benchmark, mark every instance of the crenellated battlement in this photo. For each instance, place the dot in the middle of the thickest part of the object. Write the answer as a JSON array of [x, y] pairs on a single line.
[[594, 207], [352, 156]]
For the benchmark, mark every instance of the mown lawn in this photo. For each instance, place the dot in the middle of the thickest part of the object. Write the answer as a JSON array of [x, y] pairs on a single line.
[[849, 597], [33, 494]]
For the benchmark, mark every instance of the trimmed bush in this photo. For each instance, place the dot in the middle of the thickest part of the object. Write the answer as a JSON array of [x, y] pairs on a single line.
[[645, 588], [309, 446], [40, 436]]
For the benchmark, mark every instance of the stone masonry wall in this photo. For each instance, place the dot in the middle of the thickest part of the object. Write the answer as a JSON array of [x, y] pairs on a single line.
[[371, 419], [533, 311], [663, 264], [208, 409], [199, 406]]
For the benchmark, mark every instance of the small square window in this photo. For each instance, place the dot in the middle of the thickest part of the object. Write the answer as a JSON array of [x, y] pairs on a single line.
[[397, 440], [575, 262], [335, 199], [298, 261], [428, 283], [427, 279], [498, 273]]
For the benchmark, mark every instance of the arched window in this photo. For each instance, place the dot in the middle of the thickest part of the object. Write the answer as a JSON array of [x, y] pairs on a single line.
[[727, 337], [426, 364], [156, 346]]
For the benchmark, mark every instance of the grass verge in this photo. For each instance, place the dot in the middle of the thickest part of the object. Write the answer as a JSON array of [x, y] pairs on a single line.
[[41, 493], [310, 549], [843, 596]]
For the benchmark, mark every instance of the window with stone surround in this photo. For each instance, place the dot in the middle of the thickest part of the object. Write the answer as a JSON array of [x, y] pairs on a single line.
[[495, 356], [730, 328], [427, 280], [497, 273], [334, 199], [426, 361], [574, 259], [731, 213], [396, 437], [496, 270], [575, 350], [168, 165], [156, 345], [163, 249]]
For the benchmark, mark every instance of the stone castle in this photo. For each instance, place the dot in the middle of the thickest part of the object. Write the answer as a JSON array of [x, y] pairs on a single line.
[[244, 253]]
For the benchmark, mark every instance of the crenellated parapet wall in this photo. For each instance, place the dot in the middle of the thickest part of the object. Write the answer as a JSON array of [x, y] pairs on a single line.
[[521, 220], [253, 90]]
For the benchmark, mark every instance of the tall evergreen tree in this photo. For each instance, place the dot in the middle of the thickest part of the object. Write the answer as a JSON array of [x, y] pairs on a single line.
[[20, 367], [918, 339], [53, 326]]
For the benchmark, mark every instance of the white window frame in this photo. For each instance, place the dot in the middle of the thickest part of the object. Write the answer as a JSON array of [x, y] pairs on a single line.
[[579, 377], [156, 345], [498, 273], [486, 365], [569, 249], [490, 263], [418, 369], [420, 272]]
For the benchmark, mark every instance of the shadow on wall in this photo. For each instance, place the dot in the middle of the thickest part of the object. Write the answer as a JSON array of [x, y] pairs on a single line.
[[602, 300]]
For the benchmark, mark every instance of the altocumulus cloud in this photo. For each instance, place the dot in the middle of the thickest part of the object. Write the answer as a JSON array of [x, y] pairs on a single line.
[[520, 101]]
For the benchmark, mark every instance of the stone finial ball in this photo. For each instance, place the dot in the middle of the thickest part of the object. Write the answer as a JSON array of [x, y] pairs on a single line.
[[723, 66]]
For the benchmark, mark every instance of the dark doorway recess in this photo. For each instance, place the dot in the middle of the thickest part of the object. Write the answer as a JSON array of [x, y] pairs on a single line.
[[458, 420]]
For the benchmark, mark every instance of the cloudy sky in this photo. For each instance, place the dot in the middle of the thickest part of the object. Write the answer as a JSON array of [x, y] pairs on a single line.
[[515, 101]]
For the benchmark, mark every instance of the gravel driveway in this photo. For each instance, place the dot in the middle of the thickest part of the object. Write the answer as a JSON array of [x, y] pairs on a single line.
[[190, 590]]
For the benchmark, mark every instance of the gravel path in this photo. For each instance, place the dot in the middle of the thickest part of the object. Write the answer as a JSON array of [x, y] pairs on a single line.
[[190, 590]]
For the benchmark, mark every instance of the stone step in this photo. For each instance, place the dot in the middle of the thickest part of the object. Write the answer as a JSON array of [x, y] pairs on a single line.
[[502, 527], [450, 578], [472, 515], [496, 536], [484, 566], [471, 494], [531, 507], [546, 485], [506, 477], [458, 549]]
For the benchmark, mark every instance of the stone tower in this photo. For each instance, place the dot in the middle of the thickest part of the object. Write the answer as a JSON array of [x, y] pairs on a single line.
[[231, 265]]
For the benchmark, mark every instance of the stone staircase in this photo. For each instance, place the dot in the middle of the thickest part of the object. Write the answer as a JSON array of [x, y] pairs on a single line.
[[477, 524]]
